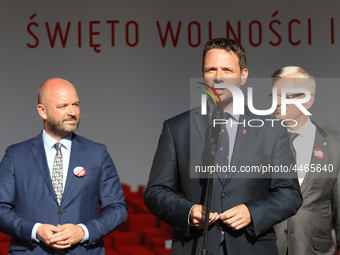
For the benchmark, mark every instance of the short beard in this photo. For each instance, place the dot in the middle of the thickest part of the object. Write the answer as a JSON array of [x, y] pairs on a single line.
[[227, 101], [58, 128]]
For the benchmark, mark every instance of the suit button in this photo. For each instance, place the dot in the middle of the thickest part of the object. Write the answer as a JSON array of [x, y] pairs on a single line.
[[223, 195], [286, 231], [218, 226], [95, 242], [60, 211]]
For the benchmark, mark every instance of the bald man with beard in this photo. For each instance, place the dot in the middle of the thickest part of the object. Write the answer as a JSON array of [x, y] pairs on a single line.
[[51, 186]]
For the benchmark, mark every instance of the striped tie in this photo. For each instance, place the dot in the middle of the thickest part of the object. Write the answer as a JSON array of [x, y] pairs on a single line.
[[57, 174]]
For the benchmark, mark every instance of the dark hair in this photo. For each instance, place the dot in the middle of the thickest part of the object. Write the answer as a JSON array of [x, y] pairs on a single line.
[[228, 45]]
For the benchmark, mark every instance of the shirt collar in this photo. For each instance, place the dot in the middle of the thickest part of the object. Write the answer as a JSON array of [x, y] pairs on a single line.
[[307, 130], [49, 141], [234, 116]]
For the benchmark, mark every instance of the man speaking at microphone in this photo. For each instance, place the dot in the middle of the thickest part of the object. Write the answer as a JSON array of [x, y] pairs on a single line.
[[243, 210]]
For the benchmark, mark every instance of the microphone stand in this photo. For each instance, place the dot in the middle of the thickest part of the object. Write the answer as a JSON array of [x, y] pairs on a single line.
[[214, 141], [204, 250]]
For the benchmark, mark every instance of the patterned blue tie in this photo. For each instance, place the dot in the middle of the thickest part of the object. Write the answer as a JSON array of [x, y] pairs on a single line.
[[57, 173], [223, 150]]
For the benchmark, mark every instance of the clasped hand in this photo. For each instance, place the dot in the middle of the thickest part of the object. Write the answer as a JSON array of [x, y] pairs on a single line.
[[61, 236], [236, 218]]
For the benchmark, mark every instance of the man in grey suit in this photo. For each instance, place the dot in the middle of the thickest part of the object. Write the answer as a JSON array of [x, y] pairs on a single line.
[[317, 161], [244, 207]]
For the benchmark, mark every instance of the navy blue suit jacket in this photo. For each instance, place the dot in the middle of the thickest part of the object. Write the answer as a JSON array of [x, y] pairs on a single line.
[[27, 195]]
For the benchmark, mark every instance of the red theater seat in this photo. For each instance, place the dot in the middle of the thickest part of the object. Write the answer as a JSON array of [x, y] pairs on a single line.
[[163, 251], [4, 248], [108, 242], [137, 204], [125, 239], [148, 233], [136, 222], [4, 237], [112, 252], [166, 228], [156, 243], [135, 250]]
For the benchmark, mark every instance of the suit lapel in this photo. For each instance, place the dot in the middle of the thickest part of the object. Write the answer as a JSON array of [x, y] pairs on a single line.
[[321, 143], [201, 122], [203, 126], [240, 143], [39, 156], [75, 159]]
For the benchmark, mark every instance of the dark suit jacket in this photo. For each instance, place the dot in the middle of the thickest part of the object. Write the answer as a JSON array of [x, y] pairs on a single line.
[[27, 195], [309, 231], [173, 189]]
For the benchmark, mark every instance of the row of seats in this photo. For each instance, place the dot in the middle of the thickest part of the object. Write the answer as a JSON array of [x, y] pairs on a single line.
[[142, 233]]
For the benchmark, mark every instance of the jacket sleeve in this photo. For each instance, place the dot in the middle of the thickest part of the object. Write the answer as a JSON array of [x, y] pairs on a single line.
[[10, 222], [113, 210], [161, 196], [336, 208], [284, 197]]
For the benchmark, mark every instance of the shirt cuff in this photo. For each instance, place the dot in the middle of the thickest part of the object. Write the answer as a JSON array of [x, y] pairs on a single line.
[[86, 232], [34, 232], [189, 220]]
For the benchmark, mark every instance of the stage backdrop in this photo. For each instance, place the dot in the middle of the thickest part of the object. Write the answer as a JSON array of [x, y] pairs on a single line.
[[131, 61]]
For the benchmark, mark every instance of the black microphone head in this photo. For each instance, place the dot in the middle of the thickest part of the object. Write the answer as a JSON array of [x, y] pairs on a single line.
[[217, 113]]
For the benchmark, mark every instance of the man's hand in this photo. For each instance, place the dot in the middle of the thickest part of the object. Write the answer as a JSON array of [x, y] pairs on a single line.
[[71, 234], [197, 216], [45, 232], [237, 217]]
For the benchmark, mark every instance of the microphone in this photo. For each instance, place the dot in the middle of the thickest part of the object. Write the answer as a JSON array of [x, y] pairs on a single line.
[[215, 131], [214, 140]]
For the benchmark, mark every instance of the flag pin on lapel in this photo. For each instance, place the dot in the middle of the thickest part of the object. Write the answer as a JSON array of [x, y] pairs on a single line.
[[79, 171], [318, 153]]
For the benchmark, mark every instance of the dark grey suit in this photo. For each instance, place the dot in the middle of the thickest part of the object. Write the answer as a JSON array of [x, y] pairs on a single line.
[[309, 231], [171, 191]]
